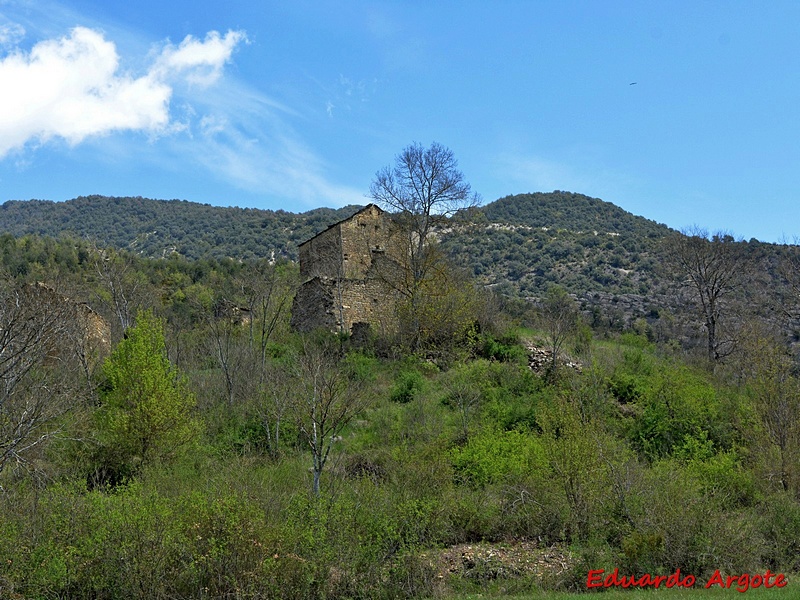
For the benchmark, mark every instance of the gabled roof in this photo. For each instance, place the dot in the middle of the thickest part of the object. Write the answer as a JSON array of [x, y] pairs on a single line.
[[370, 205]]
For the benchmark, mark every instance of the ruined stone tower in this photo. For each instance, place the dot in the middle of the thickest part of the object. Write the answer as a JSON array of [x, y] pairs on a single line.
[[347, 273]]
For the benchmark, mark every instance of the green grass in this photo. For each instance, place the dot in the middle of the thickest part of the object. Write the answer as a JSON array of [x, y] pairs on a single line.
[[697, 593]]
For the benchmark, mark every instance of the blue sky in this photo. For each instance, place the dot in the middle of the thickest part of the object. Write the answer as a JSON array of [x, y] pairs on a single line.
[[296, 105]]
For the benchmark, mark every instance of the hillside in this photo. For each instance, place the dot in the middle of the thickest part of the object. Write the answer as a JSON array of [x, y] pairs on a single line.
[[157, 228], [518, 245], [574, 212]]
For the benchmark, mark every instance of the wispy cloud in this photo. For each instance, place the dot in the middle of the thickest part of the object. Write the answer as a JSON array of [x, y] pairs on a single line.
[[201, 62], [536, 173], [11, 34], [72, 88], [247, 140]]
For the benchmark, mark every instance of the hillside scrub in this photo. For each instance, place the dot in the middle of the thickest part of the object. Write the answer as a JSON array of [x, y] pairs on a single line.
[[405, 481], [640, 459]]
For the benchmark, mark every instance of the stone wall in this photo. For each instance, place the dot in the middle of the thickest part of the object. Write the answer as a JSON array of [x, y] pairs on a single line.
[[361, 234], [368, 301], [321, 256], [314, 306], [348, 271]]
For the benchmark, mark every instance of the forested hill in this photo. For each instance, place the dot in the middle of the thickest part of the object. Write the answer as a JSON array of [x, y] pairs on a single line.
[[517, 246], [574, 212], [157, 228]]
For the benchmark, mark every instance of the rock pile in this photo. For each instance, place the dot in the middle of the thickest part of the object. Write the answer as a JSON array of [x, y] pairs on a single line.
[[485, 561], [540, 359]]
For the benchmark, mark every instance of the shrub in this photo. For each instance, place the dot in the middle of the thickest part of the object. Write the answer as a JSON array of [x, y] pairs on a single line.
[[495, 457], [407, 385]]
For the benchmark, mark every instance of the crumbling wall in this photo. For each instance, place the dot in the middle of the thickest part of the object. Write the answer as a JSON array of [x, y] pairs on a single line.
[[350, 274], [321, 256], [314, 306]]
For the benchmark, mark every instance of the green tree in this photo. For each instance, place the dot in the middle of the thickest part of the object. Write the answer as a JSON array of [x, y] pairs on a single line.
[[147, 413]]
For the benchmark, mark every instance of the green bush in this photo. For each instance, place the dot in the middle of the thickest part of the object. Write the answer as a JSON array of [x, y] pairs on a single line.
[[779, 523], [502, 350], [497, 456], [407, 385]]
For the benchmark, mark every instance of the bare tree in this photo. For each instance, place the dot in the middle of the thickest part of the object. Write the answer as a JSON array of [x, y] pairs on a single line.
[[274, 400], [559, 317], [267, 290], [788, 302], [36, 358], [712, 266], [423, 190], [327, 399], [226, 342], [126, 288], [424, 187]]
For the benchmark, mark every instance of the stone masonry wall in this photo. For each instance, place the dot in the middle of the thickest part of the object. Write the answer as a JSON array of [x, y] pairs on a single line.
[[321, 256], [347, 271], [314, 306], [361, 234]]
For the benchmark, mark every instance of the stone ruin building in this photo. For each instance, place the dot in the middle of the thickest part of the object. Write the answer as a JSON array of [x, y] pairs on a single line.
[[347, 273]]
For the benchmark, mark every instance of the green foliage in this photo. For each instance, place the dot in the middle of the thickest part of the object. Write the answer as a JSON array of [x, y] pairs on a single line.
[[779, 521], [674, 404], [361, 366], [564, 210], [407, 385], [498, 456], [505, 349], [146, 412], [157, 228], [679, 522], [638, 461]]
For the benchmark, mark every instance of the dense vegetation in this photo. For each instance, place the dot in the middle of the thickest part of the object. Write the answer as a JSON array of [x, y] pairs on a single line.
[[574, 212], [184, 463], [156, 228], [519, 244]]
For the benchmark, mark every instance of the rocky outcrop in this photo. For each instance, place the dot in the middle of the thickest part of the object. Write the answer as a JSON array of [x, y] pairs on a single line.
[[540, 359]]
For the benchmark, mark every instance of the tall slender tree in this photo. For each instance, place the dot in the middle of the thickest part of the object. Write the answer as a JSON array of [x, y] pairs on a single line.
[[712, 266], [423, 190]]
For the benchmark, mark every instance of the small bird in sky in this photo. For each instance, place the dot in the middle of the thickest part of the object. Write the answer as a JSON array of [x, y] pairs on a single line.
[[632, 83]]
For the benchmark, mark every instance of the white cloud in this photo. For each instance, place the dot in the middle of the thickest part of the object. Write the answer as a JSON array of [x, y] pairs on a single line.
[[75, 89], [72, 87], [201, 61], [11, 34]]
